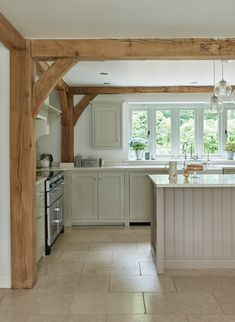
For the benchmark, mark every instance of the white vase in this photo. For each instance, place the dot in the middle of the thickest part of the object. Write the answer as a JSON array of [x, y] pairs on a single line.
[[139, 154], [229, 155]]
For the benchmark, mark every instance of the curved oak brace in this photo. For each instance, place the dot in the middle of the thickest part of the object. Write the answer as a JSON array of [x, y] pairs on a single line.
[[42, 66], [48, 81], [9, 36], [80, 107]]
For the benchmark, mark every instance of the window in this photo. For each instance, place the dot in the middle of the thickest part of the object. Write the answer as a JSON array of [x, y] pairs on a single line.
[[163, 132], [210, 133], [178, 129]]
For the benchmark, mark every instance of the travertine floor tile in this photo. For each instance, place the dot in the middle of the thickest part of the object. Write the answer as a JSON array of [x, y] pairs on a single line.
[[22, 302], [181, 303], [56, 268], [146, 318], [211, 318], [217, 272], [67, 318], [226, 300], [107, 303], [13, 318], [3, 292], [132, 257], [76, 246], [113, 246], [93, 284], [141, 284], [204, 283], [147, 268], [68, 284], [111, 269], [182, 272], [86, 256], [144, 246]]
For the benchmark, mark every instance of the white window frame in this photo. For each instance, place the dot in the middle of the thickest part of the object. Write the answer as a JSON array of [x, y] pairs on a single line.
[[175, 109]]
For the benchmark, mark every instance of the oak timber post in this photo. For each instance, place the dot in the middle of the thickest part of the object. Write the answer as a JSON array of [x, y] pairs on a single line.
[[22, 170], [67, 128]]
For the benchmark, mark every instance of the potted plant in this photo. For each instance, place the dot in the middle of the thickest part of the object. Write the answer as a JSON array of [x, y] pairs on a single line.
[[138, 145], [229, 149]]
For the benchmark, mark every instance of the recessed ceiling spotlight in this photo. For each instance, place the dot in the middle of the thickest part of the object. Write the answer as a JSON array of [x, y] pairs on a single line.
[[193, 83], [106, 83], [103, 73]]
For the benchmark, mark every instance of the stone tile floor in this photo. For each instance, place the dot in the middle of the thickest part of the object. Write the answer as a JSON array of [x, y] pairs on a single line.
[[106, 274]]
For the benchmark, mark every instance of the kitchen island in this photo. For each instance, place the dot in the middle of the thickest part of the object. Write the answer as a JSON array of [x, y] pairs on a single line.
[[193, 222]]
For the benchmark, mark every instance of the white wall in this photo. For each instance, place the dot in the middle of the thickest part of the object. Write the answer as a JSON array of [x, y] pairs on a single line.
[[5, 260], [83, 128]]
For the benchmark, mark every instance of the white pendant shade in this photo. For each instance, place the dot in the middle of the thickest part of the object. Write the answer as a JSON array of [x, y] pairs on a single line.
[[214, 105]]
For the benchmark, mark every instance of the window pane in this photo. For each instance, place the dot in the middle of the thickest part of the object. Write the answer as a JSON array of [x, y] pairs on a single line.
[[211, 134], [163, 132], [231, 124], [187, 131], [139, 124]]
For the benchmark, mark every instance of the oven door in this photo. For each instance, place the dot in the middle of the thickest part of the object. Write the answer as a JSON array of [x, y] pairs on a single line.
[[54, 220]]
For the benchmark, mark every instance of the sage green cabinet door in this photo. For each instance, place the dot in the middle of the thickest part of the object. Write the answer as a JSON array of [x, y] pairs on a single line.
[[107, 125], [111, 196], [67, 198], [84, 196], [141, 198]]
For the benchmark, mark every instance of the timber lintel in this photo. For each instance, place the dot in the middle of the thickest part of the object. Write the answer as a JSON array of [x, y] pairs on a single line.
[[48, 81], [134, 48], [140, 89], [80, 107]]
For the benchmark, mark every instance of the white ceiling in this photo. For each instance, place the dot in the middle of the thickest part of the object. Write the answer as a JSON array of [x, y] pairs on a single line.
[[123, 18], [148, 73], [129, 18]]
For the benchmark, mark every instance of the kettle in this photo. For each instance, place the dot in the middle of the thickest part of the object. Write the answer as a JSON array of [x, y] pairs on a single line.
[[46, 160]]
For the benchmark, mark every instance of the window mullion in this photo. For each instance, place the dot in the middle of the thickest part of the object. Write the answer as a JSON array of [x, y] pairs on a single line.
[[199, 131], [151, 124]]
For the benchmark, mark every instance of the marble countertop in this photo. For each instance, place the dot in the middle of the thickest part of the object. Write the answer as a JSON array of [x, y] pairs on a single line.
[[205, 180]]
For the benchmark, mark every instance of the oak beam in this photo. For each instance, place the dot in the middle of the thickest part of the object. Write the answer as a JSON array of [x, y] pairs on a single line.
[[140, 89], [42, 66], [22, 171], [134, 48], [80, 107], [67, 128], [9, 36], [47, 82]]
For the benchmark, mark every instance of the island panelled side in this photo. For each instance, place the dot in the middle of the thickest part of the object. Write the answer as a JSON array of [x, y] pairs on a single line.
[[193, 227]]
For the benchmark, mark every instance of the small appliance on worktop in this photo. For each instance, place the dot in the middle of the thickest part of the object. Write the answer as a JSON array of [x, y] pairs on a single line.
[[54, 190]]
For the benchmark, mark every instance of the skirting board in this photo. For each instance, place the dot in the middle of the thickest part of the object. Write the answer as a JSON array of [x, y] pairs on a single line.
[[5, 281], [204, 263]]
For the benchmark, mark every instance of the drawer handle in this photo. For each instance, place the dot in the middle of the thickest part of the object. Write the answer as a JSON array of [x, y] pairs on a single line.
[[41, 193], [39, 217]]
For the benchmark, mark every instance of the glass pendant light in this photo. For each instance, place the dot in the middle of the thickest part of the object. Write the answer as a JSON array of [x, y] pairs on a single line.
[[215, 104], [223, 88]]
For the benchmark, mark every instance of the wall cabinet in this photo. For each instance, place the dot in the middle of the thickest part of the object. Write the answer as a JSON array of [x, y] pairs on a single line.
[[40, 220], [97, 197], [141, 197], [107, 125]]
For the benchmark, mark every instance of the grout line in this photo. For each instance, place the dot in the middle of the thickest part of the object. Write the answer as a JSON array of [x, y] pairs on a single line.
[[109, 283], [140, 269], [212, 293], [106, 317], [145, 310], [173, 281]]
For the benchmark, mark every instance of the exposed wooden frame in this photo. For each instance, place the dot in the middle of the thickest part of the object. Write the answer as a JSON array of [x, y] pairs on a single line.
[[22, 171], [9, 36], [134, 48], [48, 81], [67, 128], [42, 66], [140, 89], [80, 107]]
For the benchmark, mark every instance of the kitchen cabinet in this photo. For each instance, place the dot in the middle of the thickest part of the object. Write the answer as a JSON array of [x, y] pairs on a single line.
[[97, 198], [107, 125], [67, 198], [141, 197], [111, 196], [40, 220]]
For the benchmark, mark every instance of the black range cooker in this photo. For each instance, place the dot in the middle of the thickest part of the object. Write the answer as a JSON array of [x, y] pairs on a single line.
[[54, 209]]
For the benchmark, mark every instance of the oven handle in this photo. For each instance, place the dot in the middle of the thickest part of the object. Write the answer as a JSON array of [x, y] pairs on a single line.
[[57, 220]]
